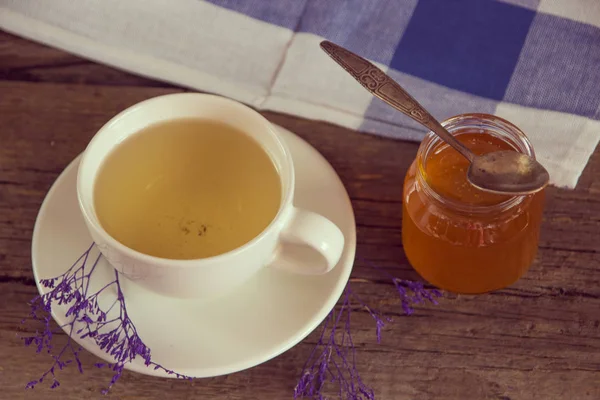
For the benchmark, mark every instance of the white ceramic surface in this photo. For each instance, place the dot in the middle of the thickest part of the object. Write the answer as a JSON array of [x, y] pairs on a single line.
[[269, 314], [297, 240]]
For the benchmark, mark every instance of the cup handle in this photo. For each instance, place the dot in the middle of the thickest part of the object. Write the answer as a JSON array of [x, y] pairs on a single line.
[[309, 244]]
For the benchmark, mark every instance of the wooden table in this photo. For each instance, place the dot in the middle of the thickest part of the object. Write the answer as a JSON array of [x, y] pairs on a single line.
[[539, 339]]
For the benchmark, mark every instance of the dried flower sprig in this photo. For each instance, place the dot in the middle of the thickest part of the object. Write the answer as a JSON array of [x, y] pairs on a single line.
[[333, 358], [112, 330]]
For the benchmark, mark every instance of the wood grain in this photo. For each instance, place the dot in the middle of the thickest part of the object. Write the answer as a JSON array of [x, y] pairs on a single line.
[[539, 339]]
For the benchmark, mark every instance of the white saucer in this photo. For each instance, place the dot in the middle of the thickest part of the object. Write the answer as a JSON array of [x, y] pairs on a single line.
[[203, 338]]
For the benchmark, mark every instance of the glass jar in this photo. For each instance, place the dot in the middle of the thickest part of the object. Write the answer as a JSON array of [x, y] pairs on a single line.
[[468, 246]]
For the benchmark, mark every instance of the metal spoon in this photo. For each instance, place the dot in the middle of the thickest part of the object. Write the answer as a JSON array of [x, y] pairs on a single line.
[[503, 172]]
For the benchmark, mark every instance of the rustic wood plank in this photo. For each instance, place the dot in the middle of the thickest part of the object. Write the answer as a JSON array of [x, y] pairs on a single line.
[[552, 312], [23, 60], [439, 353], [16, 52], [539, 339]]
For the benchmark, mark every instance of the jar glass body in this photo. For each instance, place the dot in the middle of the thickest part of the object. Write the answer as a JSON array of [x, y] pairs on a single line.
[[468, 248]]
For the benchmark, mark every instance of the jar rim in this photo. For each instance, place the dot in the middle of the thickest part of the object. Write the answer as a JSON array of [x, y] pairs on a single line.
[[488, 123]]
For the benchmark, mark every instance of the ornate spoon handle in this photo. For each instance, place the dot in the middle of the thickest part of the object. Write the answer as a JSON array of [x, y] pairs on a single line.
[[382, 86]]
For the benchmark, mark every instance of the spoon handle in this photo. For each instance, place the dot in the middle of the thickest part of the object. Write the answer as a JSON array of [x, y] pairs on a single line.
[[382, 86]]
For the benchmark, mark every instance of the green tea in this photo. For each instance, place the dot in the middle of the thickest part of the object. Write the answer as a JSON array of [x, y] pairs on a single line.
[[187, 189]]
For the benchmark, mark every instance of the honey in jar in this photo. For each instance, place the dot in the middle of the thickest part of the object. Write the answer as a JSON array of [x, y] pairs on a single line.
[[458, 237]]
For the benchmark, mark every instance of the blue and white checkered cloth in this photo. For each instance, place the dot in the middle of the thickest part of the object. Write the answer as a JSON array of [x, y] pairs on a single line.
[[533, 62]]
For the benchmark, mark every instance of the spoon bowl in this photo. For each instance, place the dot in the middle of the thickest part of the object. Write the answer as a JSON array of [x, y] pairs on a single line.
[[507, 171]]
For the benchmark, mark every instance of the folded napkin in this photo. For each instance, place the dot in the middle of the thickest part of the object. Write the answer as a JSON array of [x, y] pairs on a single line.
[[533, 62]]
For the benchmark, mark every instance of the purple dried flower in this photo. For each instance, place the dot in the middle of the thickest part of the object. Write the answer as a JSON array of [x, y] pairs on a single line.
[[117, 336], [333, 360]]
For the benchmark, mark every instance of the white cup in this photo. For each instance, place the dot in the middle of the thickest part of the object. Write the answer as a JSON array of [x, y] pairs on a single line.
[[297, 240]]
